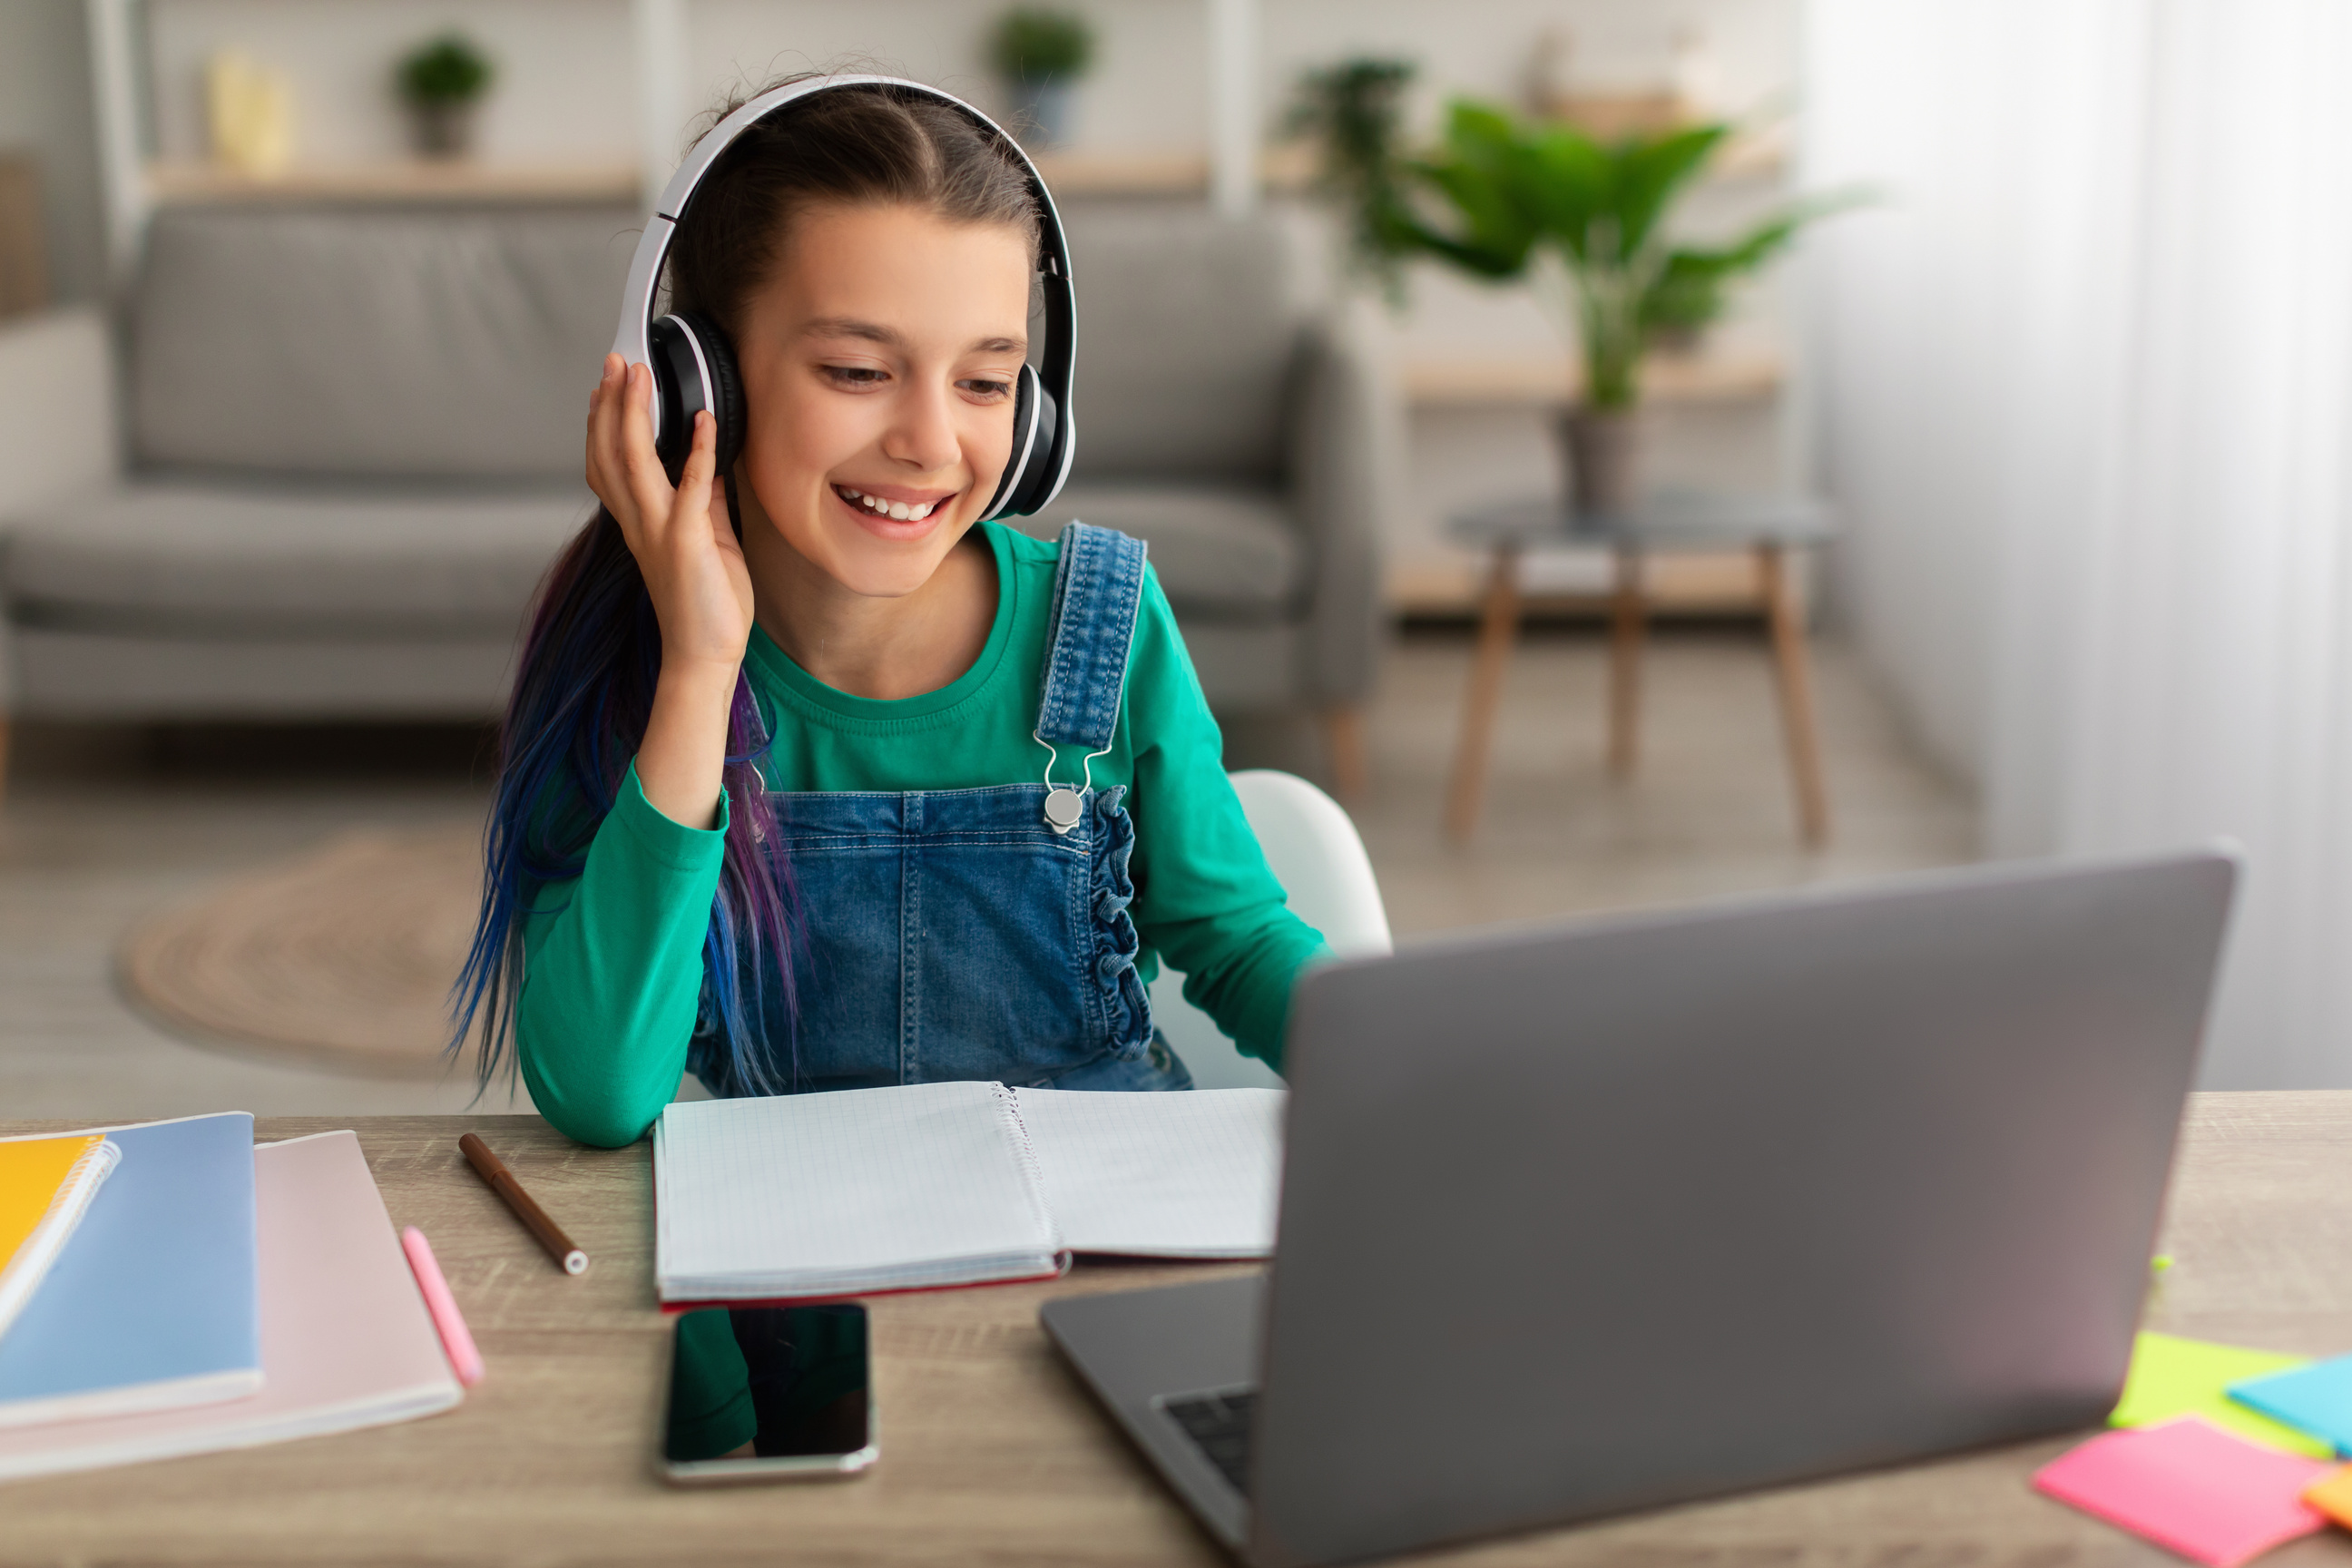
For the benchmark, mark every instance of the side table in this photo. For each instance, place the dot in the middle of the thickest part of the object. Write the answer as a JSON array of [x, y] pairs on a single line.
[[1670, 522]]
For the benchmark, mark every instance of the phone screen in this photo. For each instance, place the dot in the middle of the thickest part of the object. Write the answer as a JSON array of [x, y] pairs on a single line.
[[768, 1393]]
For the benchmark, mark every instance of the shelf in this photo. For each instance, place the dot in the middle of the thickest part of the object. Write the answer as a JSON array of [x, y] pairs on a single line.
[[1283, 168], [415, 180], [1079, 174], [1494, 381]]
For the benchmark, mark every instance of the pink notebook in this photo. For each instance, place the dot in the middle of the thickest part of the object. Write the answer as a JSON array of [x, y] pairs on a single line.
[[345, 1339]]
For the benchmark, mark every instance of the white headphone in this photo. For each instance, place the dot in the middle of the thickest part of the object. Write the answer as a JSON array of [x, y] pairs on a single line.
[[694, 367]]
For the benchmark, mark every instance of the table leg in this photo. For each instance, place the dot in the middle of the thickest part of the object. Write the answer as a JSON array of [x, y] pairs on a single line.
[[1626, 627], [1498, 627], [1349, 755], [1793, 668]]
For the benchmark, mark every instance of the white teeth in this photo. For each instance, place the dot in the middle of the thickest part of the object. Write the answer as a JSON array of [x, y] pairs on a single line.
[[898, 511]]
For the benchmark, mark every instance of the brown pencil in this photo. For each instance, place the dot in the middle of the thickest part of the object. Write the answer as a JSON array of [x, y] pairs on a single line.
[[570, 1258]]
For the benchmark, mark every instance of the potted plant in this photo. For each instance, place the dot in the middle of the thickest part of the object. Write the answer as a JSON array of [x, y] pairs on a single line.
[[1041, 54], [442, 83], [1354, 108], [1584, 221]]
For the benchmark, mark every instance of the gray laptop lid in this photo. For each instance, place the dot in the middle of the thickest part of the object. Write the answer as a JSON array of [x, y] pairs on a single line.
[[1578, 1220]]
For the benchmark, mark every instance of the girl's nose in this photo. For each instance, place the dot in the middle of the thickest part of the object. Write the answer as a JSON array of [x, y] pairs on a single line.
[[923, 435]]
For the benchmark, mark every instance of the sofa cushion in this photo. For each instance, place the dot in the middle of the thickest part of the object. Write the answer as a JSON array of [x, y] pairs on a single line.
[[1222, 552], [1189, 333], [185, 559], [412, 344]]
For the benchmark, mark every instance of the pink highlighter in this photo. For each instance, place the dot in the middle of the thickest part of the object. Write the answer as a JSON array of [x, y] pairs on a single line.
[[455, 1336]]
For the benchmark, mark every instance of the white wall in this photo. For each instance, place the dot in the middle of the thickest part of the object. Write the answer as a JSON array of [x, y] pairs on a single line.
[[566, 64], [44, 108], [566, 89]]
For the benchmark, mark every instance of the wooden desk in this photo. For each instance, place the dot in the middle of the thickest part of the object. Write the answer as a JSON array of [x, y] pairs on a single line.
[[990, 1455]]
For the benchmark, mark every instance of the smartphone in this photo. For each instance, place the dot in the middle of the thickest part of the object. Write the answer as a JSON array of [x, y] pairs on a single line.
[[769, 1394]]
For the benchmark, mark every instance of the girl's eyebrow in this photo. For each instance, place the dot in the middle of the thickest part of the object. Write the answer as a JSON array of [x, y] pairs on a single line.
[[874, 332]]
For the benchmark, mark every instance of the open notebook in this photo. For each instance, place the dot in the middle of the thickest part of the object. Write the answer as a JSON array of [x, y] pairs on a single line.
[[867, 1190]]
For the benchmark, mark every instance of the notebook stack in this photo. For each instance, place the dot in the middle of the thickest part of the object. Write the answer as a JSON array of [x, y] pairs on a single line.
[[170, 1289]]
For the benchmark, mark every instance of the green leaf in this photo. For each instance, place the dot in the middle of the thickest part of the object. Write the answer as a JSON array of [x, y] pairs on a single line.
[[1650, 170]]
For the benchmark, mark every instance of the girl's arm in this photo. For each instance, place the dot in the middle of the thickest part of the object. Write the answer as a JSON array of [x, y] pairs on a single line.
[[1205, 898], [613, 961], [695, 572], [613, 972]]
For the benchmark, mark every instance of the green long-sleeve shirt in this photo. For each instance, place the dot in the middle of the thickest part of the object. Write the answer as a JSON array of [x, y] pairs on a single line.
[[612, 965]]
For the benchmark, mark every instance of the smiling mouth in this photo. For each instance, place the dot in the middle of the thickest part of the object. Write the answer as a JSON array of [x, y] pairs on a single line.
[[895, 511]]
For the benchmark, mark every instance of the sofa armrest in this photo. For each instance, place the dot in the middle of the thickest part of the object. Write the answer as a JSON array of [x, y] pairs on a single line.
[[1347, 477], [58, 431]]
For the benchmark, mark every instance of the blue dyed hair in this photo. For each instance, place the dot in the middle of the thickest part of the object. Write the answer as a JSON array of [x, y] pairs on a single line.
[[581, 701]]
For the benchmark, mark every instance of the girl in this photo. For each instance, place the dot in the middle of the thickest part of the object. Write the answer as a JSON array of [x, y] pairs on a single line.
[[774, 797]]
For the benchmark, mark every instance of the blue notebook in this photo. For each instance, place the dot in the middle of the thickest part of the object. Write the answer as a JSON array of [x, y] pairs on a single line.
[[153, 1304]]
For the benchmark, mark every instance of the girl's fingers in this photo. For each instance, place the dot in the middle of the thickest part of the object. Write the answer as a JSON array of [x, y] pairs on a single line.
[[694, 478], [605, 473], [640, 464]]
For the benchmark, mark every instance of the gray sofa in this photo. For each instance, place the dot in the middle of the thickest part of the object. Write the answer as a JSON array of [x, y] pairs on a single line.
[[350, 443]]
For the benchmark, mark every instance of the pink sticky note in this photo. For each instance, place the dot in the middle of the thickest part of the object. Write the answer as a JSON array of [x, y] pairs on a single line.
[[2190, 1487]]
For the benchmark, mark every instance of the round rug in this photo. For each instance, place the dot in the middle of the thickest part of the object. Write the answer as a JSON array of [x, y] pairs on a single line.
[[341, 958]]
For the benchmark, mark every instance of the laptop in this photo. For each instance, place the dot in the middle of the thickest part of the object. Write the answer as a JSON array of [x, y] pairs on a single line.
[[1596, 1216]]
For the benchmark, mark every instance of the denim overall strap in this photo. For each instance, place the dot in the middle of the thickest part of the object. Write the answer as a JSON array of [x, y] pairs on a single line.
[[1097, 590]]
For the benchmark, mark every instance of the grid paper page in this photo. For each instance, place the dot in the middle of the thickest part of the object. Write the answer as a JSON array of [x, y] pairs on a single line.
[[1195, 1174], [862, 1189]]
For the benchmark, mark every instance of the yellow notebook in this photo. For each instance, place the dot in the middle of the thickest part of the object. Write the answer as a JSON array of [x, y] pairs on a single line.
[[46, 1187]]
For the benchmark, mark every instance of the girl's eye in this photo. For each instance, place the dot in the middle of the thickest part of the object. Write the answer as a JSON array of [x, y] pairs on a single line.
[[982, 387], [856, 376]]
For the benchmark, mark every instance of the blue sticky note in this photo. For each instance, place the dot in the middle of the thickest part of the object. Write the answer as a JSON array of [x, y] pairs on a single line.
[[2315, 1398]]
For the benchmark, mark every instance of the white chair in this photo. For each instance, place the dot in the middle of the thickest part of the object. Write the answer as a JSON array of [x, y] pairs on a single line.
[[1315, 853]]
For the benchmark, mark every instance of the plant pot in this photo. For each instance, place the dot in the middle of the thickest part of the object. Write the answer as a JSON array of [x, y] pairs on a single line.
[[1604, 447], [441, 130], [1043, 111]]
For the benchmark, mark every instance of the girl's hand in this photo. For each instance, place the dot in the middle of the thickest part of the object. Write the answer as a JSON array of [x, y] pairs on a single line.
[[701, 589], [693, 565]]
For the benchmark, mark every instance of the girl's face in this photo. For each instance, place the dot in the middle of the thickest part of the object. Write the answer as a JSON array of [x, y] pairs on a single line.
[[879, 367]]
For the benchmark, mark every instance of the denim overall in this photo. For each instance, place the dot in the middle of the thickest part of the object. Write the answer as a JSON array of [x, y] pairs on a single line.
[[979, 933]]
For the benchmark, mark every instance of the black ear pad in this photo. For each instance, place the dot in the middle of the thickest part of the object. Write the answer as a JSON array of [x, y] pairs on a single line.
[[1019, 461], [1033, 471], [1043, 475], [694, 369]]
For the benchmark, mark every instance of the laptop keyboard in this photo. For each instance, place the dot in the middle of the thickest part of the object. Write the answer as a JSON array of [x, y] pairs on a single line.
[[1219, 1425]]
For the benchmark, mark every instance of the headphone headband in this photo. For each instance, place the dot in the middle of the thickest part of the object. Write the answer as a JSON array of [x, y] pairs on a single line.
[[1026, 470]]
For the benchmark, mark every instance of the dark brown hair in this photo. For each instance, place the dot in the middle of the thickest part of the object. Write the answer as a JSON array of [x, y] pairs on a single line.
[[859, 146]]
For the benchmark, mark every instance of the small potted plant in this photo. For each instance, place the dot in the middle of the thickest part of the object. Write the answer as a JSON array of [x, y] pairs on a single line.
[[1041, 54], [442, 83], [1354, 110]]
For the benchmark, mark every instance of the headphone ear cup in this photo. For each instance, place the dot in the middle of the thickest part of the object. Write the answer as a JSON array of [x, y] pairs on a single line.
[[726, 402], [1042, 479], [1019, 463]]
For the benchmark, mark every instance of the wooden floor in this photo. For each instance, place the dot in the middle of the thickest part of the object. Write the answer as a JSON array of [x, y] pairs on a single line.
[[103, 825]]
